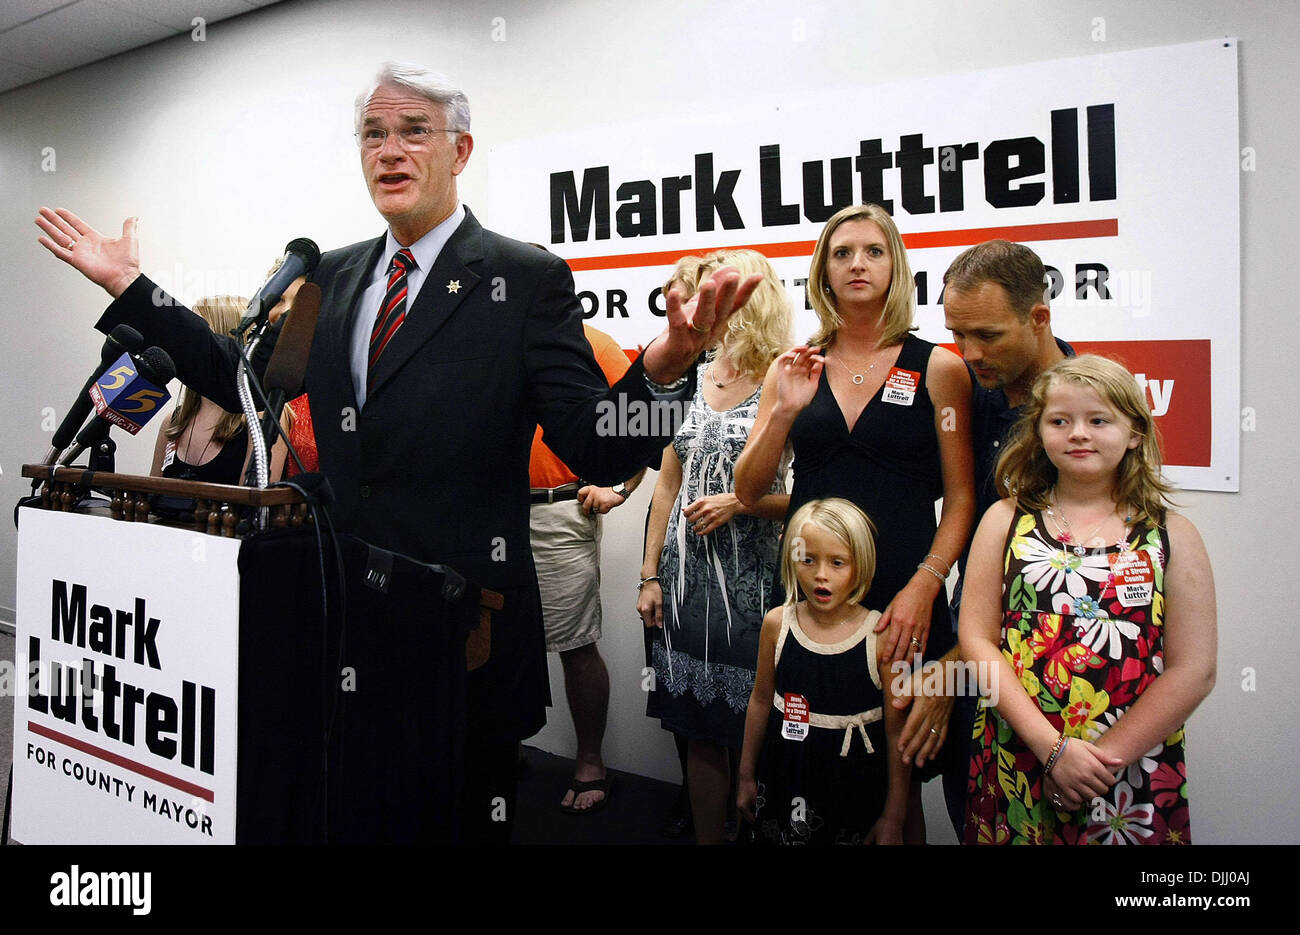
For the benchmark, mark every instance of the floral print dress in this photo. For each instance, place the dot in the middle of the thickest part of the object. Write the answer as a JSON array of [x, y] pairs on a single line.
[[1085, 658]]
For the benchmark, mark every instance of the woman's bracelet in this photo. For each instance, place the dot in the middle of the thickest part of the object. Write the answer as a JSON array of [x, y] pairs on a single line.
[[939, 558], [645, 581], [932, 570], [1056, 753]]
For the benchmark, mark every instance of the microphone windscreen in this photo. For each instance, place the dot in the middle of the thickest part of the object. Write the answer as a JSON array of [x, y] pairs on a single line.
[[127, 338], [288, 363], [305, 248], [156, 366]]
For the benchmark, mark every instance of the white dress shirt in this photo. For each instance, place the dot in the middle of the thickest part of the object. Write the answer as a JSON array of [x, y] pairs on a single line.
[[425, 250]]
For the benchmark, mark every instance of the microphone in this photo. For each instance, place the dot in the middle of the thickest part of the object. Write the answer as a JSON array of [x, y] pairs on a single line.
[[122, 338], [288, 364], [300, 259], [128, 395]]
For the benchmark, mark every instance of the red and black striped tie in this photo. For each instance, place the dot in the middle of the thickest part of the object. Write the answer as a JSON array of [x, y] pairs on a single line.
[[392, 312]]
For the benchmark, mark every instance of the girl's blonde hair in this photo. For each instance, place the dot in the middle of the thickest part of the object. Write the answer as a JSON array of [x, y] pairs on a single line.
[[1025, 473], [897, 317], [846, 522], [222, 313], [762, 329]]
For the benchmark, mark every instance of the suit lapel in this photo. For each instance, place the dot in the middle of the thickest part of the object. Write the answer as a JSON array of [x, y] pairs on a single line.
[[352, 280], [330, 386], [445, 288]]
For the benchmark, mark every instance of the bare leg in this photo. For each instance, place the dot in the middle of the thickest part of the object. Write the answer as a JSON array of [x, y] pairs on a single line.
[[732, 826], [586, 684], [914, 826], [708, 780], [678, 820]]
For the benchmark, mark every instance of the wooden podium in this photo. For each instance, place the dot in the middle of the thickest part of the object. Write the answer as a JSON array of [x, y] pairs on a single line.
[[217, 506], [196, 687]]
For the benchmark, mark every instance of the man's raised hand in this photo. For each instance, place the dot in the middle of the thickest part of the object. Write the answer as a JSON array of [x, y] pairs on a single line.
[[111, 263], [692, 330]]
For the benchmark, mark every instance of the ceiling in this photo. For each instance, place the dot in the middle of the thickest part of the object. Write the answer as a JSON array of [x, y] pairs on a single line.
[[40, 38]]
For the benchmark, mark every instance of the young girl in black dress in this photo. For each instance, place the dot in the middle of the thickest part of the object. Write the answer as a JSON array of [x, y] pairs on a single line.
[[821, 762]]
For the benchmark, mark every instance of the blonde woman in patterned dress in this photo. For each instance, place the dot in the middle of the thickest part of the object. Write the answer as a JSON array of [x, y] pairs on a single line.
[[709, 561]]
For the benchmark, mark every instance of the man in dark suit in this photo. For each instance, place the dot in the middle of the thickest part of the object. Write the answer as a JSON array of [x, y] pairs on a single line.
[[427, 375]]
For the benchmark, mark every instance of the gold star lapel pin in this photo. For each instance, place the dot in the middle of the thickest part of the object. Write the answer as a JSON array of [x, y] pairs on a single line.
[[453, 285]]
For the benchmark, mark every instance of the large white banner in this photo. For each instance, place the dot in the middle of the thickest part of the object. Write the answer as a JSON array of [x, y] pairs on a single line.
[[127, 676], [1120, 170]]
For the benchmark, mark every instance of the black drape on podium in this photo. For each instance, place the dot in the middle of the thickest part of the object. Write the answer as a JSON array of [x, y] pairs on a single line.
[[351, 726]]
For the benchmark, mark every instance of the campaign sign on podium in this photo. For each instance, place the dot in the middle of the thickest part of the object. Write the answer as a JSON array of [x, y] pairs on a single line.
[[127, 658]]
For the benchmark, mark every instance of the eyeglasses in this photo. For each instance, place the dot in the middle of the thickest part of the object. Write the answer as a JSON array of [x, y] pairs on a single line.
[[417, 136]]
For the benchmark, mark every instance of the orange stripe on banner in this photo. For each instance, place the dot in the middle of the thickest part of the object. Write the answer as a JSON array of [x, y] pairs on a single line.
[[116, 760], [1063, 230]]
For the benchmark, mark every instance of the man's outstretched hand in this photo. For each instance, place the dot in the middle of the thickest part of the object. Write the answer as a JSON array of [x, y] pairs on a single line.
[[694, 330], [111, 263]]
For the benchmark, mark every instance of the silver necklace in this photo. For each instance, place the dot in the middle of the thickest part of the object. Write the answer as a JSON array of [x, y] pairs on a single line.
[[859, 377], [1066, 537]]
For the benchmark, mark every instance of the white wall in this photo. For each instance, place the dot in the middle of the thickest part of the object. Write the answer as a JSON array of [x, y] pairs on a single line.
[[225, 148]]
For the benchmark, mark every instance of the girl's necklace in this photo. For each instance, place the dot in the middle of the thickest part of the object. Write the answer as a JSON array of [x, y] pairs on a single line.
[[199, 462], [1065, 536]]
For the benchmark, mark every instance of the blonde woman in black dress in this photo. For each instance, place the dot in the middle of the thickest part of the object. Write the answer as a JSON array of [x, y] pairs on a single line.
[[881, 418]]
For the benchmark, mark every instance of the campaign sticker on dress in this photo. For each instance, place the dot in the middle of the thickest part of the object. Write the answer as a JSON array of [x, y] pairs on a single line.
[[900, 386], [1135, 578], [795, 725], [169, 454]]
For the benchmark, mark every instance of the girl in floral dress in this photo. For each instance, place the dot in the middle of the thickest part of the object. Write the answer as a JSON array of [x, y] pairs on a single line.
[[1094, 607]]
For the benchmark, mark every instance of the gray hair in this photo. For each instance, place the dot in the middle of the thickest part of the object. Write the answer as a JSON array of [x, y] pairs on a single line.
[[423, 82]]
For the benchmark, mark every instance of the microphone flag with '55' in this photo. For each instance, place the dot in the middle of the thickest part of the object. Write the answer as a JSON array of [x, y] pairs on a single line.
[[131, 392], [122, 338]]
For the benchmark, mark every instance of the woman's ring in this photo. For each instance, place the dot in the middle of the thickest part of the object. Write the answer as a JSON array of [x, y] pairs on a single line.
[[916, 642], [699, 330], [933, 731]]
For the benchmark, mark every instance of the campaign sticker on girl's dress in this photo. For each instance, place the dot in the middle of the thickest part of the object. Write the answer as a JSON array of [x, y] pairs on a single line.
[[900, 386], [169, 454], [795, 725], [1135, 578]]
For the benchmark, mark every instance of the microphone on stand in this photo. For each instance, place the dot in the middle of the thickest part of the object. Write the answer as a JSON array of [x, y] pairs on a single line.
[[300, 259], [128, 395], [122, 338]]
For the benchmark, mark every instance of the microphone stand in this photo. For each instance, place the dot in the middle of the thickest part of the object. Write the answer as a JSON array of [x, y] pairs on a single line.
[[282, 371], [259, 468], [103, 455]]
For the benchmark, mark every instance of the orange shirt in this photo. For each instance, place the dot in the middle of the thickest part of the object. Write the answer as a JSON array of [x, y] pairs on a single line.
[[544, 468]]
